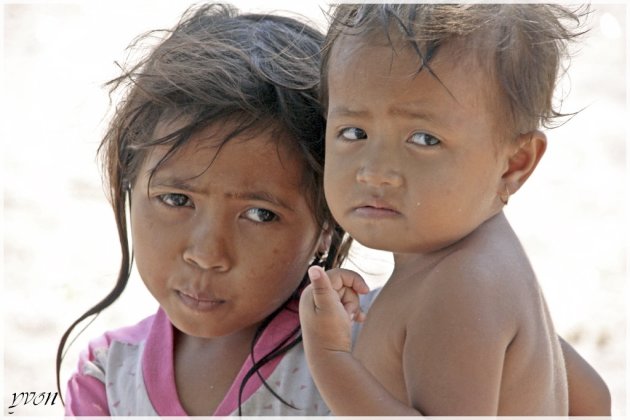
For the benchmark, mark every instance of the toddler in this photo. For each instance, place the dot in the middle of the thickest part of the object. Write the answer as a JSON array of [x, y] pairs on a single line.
[[433, 122]]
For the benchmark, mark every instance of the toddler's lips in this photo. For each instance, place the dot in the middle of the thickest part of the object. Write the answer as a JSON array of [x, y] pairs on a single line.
[[199, 303], [376, 209]]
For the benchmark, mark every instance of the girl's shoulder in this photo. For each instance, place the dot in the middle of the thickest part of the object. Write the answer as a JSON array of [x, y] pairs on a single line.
[[94, 359], [366, 302], [130, 334], [367, 299], [110, 371]]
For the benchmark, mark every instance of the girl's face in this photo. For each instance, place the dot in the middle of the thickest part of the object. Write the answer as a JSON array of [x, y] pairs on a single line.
[[222, 239], [412, 165]]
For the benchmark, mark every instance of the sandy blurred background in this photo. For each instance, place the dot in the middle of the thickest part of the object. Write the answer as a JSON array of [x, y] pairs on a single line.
[[59, 241]]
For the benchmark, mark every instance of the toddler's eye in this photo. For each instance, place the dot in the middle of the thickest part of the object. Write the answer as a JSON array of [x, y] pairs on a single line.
[[260, 215], [175, 200], [424, 139], [353, 133]]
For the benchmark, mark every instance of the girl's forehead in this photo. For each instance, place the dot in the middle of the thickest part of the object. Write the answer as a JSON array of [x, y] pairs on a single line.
[[216, 148], [171, 137], [209, 135]]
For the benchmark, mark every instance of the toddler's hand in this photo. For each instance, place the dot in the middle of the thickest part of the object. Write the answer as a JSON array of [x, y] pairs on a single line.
[[328, 306], [348, 285]]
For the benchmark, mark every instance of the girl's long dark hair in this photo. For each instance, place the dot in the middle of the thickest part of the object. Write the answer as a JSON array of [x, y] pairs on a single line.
[[215, 65]]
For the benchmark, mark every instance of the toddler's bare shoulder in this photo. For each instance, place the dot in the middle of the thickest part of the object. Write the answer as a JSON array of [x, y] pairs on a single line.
[[482, 269], [475, 285]]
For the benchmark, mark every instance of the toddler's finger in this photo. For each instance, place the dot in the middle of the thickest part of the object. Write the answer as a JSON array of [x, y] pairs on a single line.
[[358, 316], [324, 296], [352, 305], [353, 281]]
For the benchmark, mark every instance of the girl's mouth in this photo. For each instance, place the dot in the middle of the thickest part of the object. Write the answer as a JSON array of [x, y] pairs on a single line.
[[200, 303]]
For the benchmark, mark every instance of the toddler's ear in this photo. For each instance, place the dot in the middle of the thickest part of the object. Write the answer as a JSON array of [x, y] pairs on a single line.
[[524, 159]]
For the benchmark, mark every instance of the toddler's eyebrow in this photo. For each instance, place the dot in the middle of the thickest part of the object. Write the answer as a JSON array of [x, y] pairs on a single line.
[[411, 112], [341, 110]]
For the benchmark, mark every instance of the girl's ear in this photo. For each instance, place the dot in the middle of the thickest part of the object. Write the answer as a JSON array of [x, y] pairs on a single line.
[[325, 240], [522, 162]]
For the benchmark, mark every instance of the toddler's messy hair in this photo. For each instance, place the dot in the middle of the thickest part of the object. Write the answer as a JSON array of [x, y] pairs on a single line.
[[521, 46]]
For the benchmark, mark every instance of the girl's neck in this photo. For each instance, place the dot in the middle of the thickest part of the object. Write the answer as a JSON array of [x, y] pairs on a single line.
[[238, 339], [205, 368]]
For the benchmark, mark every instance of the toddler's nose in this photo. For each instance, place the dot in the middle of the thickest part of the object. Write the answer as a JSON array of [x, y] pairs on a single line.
[[379, 169]]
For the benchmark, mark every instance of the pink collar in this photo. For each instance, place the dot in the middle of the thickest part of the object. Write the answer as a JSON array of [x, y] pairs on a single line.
[[158, 364]]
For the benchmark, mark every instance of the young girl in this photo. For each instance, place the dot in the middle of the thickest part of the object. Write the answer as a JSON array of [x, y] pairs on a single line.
[[433, 122], [217, 151]]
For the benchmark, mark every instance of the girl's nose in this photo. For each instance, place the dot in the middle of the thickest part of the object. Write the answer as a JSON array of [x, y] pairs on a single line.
[[379, 168], [208, 247]]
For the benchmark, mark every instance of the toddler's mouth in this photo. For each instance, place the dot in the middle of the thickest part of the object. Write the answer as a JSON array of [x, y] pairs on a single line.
[[376, 209]]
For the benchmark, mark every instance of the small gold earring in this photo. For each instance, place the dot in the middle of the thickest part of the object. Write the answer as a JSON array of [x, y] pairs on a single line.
[[505, 199]]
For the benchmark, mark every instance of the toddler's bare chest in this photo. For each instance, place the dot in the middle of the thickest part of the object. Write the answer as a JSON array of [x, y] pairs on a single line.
[[380, 342]]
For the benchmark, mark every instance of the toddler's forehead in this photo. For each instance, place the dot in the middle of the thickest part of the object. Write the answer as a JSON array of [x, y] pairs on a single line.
[[472, 51], [467, 63]]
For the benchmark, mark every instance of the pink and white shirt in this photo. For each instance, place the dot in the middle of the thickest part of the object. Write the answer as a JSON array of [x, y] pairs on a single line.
[[130, 372]]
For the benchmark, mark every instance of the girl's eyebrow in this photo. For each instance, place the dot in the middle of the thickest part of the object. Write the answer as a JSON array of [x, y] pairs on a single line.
[[259, 196], [177, 183], [256, 195]]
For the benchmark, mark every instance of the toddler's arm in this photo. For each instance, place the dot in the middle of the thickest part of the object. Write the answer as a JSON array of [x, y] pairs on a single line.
[[588, 393], [326, 315]]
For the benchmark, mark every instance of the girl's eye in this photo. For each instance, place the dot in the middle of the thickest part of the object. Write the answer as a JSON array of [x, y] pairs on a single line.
[[353, 133], [424, 139], [175, 200], [260, 215]]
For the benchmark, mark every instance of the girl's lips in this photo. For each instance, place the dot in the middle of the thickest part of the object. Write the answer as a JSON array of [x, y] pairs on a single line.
[[199, 303]]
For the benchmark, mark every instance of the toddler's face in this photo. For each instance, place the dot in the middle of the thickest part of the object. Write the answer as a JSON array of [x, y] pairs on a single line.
[[410, 167], [221, 245]]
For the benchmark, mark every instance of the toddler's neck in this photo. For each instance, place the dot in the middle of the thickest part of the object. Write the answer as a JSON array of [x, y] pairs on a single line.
[[410, 263]]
